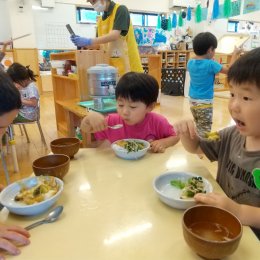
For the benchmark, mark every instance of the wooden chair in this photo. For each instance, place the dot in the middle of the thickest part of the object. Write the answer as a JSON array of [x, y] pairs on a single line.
[[10, 143]]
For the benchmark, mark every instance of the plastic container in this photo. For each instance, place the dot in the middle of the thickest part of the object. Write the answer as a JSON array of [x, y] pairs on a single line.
[[57, 63], [60, 71]]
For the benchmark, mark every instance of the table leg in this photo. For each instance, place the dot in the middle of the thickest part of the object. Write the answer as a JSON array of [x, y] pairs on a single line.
[[74, 121], [70, 123], [14, 156]]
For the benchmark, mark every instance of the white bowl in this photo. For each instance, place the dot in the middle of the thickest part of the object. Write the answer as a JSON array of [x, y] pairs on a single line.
[[122, 152], [8, 194], [170, 195]]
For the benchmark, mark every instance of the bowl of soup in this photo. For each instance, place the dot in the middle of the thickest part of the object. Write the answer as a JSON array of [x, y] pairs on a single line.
[[66, 145], [56, 165], [211, 232]]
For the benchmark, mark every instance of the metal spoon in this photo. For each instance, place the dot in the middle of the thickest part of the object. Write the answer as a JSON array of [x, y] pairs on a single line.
[[115, 126], [51, 217]]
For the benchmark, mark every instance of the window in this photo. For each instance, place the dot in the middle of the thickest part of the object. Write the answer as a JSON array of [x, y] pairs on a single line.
[[152, 20], [232, 26], [143, 19], [137, 19], [86, 15]]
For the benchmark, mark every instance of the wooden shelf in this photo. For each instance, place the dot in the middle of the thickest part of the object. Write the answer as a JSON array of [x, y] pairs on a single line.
[[64, 77], [68, 91], [220, 78], [174, 58], [153, 62], [67, 55]]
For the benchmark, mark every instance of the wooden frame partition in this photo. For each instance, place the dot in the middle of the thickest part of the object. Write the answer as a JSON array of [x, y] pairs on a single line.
[[29, 57]]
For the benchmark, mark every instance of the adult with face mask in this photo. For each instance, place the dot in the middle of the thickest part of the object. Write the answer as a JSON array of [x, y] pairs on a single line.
[[116, 35]]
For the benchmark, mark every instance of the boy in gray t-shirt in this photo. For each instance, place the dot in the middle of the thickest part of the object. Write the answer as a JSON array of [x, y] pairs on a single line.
[[237, 149]]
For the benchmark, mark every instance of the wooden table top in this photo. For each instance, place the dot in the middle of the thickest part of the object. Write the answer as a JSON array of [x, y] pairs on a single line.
[[112, 212]]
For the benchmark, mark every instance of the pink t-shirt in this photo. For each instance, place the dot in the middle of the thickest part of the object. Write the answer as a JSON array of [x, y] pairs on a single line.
[[153, 127]]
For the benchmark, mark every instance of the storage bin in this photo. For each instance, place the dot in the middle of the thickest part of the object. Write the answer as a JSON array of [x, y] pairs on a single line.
[[173, 81], [146, 70]]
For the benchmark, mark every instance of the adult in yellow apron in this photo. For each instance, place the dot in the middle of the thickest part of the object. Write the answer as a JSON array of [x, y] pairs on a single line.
[[122, 49], [123, 53]]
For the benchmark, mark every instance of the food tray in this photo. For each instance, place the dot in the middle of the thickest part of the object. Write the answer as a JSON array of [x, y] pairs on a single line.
[[109, 105]]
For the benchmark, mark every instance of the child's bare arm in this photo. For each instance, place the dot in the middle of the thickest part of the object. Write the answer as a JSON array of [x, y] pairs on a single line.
[[235, 55], [186, 130], [248, 215], [93, 122], [2, 52], [159, 146], [32, 102], [5, 44]]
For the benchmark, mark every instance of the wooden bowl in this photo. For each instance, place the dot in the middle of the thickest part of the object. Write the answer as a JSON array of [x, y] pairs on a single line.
[[56, 165], [211, 232], [67, 145]]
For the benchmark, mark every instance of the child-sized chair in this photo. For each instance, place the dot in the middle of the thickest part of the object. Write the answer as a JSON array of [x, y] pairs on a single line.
[[37, 121], [10, 143]]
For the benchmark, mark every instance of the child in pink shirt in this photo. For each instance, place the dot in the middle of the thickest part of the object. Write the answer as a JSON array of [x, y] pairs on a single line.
[[136, 96]]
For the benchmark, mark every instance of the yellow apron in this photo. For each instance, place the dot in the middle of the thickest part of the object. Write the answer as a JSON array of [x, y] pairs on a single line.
[[123, 53]]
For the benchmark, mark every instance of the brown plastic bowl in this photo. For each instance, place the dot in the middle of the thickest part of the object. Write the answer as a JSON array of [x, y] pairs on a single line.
[[198, 233], [67, 145], [56, 165]]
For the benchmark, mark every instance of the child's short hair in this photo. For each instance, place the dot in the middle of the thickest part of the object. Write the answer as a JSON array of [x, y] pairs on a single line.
[[246, 69], [19, 73], [203, 41], [10, 98], [138, 87]]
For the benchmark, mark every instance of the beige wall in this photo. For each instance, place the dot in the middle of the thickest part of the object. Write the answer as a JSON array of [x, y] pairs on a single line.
[[25, 22], [5, 31], [22, 23], [141, 5]]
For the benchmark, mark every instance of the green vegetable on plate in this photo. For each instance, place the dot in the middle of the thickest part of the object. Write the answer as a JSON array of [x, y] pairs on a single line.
[[193, 186]]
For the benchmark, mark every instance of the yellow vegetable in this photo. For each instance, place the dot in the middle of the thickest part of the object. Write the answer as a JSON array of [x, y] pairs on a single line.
[[214, 136]]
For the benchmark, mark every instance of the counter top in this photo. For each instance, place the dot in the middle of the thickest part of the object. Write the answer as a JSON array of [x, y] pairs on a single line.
[[112, 212], [73, 106], [45, 73]]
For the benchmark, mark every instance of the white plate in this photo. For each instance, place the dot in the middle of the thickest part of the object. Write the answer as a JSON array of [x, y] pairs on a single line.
[[122, 152], [170, 194], [8, 194]]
